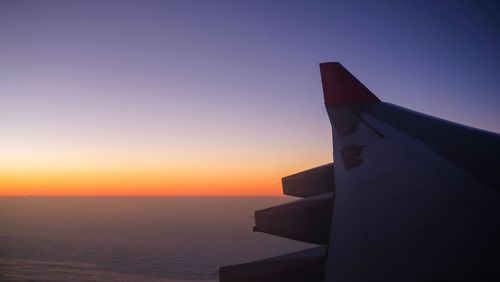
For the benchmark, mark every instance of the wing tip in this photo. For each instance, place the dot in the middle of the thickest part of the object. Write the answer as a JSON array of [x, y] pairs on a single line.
[[341, 88]]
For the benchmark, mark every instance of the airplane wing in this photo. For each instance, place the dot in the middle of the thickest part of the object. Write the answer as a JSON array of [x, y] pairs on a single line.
[[409, 198]]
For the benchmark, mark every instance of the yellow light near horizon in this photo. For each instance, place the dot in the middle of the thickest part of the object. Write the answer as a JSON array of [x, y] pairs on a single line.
[[179, 181]]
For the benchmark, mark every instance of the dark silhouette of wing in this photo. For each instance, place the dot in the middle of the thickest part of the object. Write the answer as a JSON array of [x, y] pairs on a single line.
[[410, 197]]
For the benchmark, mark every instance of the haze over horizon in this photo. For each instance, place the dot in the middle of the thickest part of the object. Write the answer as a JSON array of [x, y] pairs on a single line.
[[219, 98]]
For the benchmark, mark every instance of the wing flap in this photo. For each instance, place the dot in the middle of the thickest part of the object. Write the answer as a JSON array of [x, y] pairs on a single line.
[[310, 182], [303, 266], [306, 220]]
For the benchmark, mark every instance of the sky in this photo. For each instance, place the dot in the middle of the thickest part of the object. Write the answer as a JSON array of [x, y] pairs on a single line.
[[219, 97]]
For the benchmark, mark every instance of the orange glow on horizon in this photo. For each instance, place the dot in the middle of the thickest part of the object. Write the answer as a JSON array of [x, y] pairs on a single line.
[[179, 181], [135, 183], [213, 167]]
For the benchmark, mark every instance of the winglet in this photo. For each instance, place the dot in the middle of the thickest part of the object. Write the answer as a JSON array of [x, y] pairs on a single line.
[[340, 87]]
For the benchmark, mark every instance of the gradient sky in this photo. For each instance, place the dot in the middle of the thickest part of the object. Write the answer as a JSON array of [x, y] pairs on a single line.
[[219, 97]]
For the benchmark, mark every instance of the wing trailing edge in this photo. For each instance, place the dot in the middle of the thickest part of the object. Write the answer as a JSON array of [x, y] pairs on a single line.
[[307, 220]]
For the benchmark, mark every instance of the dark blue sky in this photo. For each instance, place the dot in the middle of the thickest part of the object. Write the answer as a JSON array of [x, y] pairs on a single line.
[[234, 78], [440, 57]]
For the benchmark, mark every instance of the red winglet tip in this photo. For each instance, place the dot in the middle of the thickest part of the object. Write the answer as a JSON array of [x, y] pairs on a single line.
[[340, 87]]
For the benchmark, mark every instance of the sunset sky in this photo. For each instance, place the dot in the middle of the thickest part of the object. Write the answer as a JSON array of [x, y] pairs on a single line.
[[218, 97]]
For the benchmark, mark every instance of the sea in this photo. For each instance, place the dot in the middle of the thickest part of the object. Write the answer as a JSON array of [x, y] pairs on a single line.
[[132, 238]]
